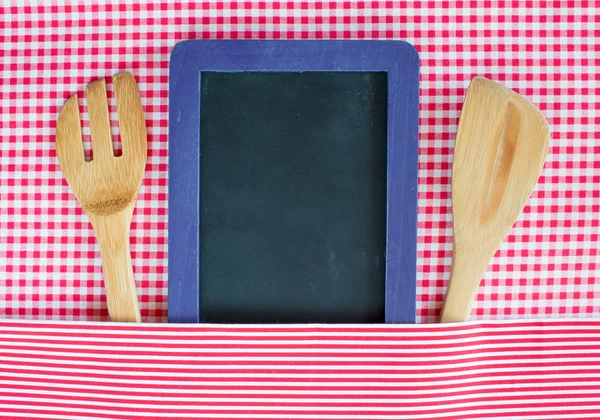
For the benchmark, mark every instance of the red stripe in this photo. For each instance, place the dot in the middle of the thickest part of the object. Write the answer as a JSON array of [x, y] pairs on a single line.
[[174, 370], [400, 330], [234, 408], [190, 342], [309, 385], [300, 377], [197, 350], [252, 416], [311, 382], [55, 360], [402, 401], [315, 342], [393, 335], [565, 390]]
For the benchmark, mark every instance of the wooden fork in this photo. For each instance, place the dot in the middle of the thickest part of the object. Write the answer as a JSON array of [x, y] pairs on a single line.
[[107, 186]]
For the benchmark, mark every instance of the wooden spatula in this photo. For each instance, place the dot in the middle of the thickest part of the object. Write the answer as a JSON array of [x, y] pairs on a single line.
[[501, 145], [107, 186]]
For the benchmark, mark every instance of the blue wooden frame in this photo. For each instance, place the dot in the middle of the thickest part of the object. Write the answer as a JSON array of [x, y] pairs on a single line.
[[189, 58]]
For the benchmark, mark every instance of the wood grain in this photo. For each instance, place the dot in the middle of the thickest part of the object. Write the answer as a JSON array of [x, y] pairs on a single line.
[[500, 149], [108, 185]]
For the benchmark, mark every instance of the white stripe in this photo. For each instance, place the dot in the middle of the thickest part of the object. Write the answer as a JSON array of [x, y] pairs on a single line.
[[526, 417], [353, 359], [56, 416], [421, 330], [195, 340], [509, 322], [207, 406], [302, 417], [558, 416], [344, 388], [332, 415], [480, 371], [203, 416], [334, 380], [311, 398], [289, 330], [268, 349], [203, 363]]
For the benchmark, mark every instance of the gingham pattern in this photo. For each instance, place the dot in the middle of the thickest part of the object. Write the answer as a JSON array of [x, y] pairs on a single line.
[[546, 50]]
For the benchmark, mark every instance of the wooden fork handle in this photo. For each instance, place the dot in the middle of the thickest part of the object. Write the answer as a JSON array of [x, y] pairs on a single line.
[[112, 232]]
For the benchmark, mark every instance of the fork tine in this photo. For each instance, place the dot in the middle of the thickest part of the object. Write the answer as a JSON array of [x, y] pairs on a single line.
[[131, 117], [69, 146], [95, 94]]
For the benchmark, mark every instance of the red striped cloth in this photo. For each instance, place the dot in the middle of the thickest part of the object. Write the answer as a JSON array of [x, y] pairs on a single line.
[[544, 369]]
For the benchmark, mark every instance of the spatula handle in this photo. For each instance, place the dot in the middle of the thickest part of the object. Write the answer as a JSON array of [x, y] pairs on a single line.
[[112, 232], [466, 274]]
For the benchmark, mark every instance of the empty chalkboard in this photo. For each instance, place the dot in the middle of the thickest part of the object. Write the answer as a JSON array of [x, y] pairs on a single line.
[[293, 196], [293, 181]]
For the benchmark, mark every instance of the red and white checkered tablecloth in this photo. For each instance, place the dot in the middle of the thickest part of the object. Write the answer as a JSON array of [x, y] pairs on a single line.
[[549, 51]]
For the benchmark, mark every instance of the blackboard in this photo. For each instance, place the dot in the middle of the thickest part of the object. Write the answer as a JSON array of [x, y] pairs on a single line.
[[293, 197], [277, 182]]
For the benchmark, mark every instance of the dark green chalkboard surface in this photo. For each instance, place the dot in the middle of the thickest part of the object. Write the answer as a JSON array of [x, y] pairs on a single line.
[[293, 196]]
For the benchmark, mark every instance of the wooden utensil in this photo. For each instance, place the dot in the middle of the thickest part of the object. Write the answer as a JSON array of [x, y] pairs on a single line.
[[107, 186], [501, 145]]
